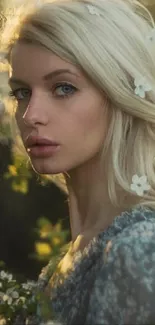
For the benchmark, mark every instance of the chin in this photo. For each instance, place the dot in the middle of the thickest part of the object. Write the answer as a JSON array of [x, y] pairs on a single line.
[[46, 169]]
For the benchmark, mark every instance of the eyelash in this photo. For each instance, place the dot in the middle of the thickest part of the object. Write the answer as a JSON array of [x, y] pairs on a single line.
[[13, 93]]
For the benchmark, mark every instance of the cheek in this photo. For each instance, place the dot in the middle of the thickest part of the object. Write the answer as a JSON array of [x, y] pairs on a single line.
[[93, 121], [88, 127], [93, 134]]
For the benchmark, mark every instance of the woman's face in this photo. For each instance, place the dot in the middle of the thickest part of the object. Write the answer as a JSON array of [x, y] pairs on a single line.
[[61, 116]]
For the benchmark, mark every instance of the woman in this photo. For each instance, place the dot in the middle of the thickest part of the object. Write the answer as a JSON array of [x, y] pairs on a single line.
[[83, 76]]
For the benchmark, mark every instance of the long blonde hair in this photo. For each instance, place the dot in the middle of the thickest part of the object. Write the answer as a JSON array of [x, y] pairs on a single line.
[[112, 49]]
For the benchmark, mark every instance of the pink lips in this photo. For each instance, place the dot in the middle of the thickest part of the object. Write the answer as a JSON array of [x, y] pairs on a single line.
[[41, 147]]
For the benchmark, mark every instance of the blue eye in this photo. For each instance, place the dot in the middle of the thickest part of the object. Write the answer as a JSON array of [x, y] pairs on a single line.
[[20, 93], [61, 90], [65, 89]]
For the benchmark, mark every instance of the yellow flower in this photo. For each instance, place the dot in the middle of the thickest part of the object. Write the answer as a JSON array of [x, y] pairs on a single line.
[[12, 170], [56, 241], [43, 248]]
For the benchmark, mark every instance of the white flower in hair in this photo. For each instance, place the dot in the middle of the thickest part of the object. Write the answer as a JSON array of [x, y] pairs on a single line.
[[140, 185], [92, 10], [142, 86]]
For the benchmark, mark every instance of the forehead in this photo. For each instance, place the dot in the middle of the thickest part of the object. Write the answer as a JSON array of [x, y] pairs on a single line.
[[31, 60]]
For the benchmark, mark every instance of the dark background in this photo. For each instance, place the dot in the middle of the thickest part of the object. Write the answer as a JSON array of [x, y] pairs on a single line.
[[18, 218]]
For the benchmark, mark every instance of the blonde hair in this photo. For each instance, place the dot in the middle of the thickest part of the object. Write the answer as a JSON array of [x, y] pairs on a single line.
[[112, 49]]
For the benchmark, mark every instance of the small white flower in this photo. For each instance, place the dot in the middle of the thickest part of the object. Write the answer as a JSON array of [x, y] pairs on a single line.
[[9, 291], [140, 185], [15, 294], [92, 10], [3, 275], [9, 296], [7, 299], [6, 276], [10, 276], [29, 285], [142, 86], [25, 286], [151, 36]]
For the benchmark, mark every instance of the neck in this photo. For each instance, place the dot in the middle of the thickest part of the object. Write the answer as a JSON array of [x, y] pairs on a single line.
[[89, 205]]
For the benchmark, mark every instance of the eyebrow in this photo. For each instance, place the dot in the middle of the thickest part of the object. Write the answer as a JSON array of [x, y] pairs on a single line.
[[47, 77]]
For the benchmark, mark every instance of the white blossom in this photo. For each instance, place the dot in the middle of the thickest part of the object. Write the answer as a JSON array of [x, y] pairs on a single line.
[[142, 86], [92, 10], [29, 285], [140, 185], [9, 295], [6, 276], [15, 294], [8, 299]]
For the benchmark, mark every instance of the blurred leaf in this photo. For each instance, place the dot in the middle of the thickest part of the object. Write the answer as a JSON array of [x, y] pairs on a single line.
[[20, 185], [43, 222]]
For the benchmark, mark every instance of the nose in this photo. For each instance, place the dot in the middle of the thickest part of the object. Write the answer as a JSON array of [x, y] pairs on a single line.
[[36, 113]]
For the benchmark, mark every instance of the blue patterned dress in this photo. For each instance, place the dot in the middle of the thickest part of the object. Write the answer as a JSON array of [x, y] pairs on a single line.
[[112, 282]]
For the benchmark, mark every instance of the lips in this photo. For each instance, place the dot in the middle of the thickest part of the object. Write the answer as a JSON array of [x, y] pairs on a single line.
[[41, 147], [38, 141]]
